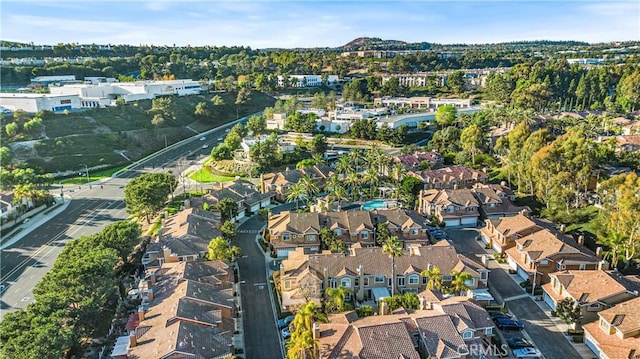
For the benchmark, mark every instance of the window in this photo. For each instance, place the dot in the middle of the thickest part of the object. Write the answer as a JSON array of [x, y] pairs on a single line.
[[286, 237], [345, 282], [594, 306], [583, 266], [378, 279], [470, 209], [544, 262], [467, 334], [64, 102], [364, 235], [414, 279], [400, 280], [450, 209], [333, 283], [414, 232], [356, 282], [337, 231], [311, 237], [366, 281], [483, 275], [425, 280], [488, 331], [287, 284]]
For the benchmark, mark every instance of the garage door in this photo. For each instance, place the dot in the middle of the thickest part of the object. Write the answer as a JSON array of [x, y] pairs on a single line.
[[470, 221], [588, 340], [547, 299], [496, 247], [523, 274], [452, 222], [283, 253]]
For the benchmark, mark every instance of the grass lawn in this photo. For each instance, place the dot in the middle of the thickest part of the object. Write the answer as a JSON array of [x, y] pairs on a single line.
[[93, 176], [204, 176]]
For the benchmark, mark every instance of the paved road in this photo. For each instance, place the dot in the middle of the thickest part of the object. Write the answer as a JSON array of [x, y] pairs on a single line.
[[261, 336], [540, 328], [94, 206]]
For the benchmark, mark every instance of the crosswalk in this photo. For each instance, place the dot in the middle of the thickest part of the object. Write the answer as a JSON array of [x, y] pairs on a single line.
[[248, 231]]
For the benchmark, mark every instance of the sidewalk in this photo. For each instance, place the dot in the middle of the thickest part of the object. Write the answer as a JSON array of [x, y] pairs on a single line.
[[34, 222]]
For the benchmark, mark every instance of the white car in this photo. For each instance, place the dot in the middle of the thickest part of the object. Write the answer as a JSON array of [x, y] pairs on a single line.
[[205, 146], [220, 139], [202, 138], [227, 130]]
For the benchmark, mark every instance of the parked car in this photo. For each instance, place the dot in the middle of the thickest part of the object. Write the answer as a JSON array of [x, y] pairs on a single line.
[[205, 146], [509, 324], [519, 343], [3, 287], [286, 333], [527, 353], [496, 315], [202, 138], [284, 322]]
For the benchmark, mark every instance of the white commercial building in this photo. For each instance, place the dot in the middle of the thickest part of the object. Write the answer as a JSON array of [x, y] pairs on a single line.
[[31, 102], [306, 80], [421, 102]]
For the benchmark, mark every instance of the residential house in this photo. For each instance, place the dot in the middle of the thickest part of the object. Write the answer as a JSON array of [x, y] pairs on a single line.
[[450, 177], [496, 200], [281, 182], [453, 207], [184, 236], [187, 310], [439, 330], [290, 230], [628, 143], [412, 162], [277, 122], [631, 128], [592, 290], [542, 252], [367, 272], [616, 333], [501, 234], [248, 199], [249, 141]]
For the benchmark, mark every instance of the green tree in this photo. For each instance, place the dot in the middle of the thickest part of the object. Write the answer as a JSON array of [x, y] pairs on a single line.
[[319, 144], [446, 115], [297, 193], [459, 281], [257, 125], [217, 100], [219, 249], [228, 209], [628, 91], [121, 236], [331, 242], [435, 278], [306, 163], [455, 82], [336, 298], [11, 129], [228, 230], [146, 194], [5, 156], [310, 186], [382, 233], [393, 247], [472, 140], [202, 110], [568, 310]]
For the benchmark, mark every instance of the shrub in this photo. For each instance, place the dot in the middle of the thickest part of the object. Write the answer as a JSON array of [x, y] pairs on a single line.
[[365, 311]]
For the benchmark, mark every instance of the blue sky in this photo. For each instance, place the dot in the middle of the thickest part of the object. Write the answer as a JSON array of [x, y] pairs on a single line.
[[304, 23]]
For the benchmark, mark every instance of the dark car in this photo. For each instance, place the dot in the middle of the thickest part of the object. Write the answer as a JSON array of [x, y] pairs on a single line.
[[509, 324], [286, 333], [284, 322], [519, 343], [496, 315]]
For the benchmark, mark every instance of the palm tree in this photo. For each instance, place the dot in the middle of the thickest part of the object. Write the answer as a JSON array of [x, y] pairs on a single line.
[[435, 278], [355, 156], [393, 248], [296, 193], [319, 159], [343, 166], [337, 296], [397, 173], [331, 183], [310, 186], [372, 177], [353, 180], [339, 193], [302, 346], [459, 281]]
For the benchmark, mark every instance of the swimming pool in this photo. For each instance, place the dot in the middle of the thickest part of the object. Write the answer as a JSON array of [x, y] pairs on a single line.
[[378, 204]]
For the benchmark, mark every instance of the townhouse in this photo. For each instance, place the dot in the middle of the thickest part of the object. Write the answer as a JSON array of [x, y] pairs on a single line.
[[367, 272], [496, 200], [453, 207], [281, 182], [591, 290], [536, 255], [437, 330], [248, 199], [616, 333], [452, 177], [413, 162], [628, 143], [184, 236], [501, 234], [187, 310], [291, 230]]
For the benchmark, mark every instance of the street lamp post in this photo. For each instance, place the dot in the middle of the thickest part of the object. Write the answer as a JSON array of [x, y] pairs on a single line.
[[86, 170]]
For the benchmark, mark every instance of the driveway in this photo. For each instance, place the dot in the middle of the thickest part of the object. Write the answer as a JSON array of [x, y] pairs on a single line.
[[544, 333]]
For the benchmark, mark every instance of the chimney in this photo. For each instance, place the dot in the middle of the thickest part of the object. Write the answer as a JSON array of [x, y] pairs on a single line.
[[325, 279], [150, 294], [581, 240], [563, 227], [166, 253], [133, 341], [599, 252], [153, 277], [383, 307], [140, 313], [603, 265], [316, 331], [360, 294], [422, 303]]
